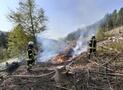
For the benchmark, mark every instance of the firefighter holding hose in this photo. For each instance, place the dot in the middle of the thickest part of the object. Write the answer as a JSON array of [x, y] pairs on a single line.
[[92, 46]]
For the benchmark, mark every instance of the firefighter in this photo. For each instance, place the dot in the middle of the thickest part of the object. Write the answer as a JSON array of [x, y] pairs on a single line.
[[31, 55], [92, 46]]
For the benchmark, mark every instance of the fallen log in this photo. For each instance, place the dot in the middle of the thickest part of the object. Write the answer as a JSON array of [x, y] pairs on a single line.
[[96, 88], [4, 70], [60, 87], [109, 74], [33, 76], [42, 69]]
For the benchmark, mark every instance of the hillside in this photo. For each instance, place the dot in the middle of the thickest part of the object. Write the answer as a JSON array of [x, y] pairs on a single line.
[[103, 72], [85, 31], [116, 31], [114, 39]]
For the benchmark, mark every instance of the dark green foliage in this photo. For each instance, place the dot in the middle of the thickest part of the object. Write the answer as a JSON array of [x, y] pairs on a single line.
[[120, 16], [3, 39], [17, 41], [112, 20], [3, 46], [4, 55]]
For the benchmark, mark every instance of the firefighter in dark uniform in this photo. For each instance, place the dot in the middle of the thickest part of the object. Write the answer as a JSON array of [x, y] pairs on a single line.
[[31, 55], [92, 46]]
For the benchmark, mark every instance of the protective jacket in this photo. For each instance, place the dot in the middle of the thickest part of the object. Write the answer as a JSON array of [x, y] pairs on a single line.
[[92, 43]]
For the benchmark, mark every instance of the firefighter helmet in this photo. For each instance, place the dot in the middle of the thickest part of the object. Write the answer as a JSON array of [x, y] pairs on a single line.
[[30, 43], [93, 37]]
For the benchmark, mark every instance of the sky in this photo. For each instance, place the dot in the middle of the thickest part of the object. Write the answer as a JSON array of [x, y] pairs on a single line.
[[64, 16]]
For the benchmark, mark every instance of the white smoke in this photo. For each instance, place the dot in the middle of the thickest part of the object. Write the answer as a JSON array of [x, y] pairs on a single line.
[[82, 43], [49, 48]]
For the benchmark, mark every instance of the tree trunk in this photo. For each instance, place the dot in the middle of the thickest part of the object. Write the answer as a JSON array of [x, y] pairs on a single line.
[[32, 25]]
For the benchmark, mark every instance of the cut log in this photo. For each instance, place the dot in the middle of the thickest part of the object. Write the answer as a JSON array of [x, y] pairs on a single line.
[[4, 70], [33, 76], [62, 88], [62, 76], [109, 74]]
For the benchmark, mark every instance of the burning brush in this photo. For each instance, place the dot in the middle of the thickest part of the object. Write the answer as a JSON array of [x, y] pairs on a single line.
[[63, 56]]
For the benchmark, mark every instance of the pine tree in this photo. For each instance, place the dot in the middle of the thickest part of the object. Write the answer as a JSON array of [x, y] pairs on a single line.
[[17, 41], [114, 18], [120, 18]]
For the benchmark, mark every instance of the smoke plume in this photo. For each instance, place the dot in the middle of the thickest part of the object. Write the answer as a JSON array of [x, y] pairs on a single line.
[[49, 48]]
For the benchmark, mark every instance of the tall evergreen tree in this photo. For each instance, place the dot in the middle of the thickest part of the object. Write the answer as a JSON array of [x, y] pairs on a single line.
[[17, 41], [120, 18], [114, 18], [3, 40]]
